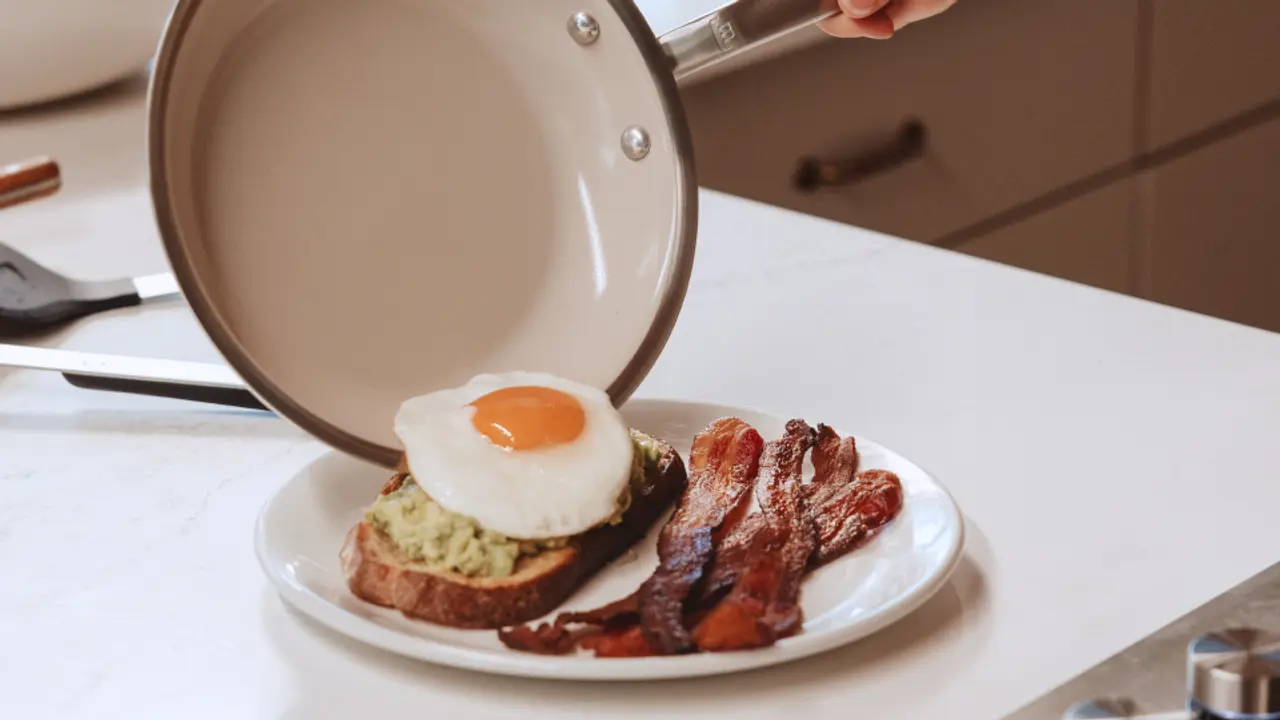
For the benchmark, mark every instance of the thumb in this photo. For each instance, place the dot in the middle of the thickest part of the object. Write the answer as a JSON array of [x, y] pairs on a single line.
[[878, 26], [859, 9]]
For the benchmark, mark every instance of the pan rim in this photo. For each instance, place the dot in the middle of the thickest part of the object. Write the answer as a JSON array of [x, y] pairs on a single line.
[[672, 289]]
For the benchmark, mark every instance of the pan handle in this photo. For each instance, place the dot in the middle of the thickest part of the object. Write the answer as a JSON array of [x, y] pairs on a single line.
[[28, 180], [737, 26]]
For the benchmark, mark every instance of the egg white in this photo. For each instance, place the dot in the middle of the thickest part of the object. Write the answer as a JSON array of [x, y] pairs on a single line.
[[536, 494]]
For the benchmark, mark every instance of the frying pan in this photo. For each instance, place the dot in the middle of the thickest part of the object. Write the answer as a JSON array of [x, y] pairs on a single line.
[[366, 201]]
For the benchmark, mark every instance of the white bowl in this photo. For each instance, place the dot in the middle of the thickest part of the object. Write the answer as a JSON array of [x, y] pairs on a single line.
[[52, 49]]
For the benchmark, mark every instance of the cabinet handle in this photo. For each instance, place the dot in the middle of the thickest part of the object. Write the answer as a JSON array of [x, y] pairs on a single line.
[[906, 145]]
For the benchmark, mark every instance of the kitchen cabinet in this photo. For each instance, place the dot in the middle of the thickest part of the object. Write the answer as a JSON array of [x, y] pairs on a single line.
[[1087, 240], [1132, 145], [1212, 228], [1210, 61], [1016, 99]]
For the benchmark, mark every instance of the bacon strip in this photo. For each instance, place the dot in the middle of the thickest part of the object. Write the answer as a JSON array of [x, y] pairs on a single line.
[[544, 639], [732, 521], [620, 642], [619, 612], [394, 483], [843, 511], [730, 558], [854, 513], [572, 629], [782, 503], [835, 461], [844, 520], [722, 464], [763, 605]]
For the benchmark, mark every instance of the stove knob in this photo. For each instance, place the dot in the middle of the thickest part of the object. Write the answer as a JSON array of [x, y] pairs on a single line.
[[1235, 673]]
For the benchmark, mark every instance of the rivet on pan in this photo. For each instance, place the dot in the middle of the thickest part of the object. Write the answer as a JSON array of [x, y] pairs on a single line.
[[635, 142], [584, 28]]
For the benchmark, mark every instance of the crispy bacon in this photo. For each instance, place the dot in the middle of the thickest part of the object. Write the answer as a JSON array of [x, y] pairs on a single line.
[[851, 515], [621, 642], [846, 519], [394, 483], [544, 639], [734, 519], [762, 556], [572, 629], [730, 557], [763, 605], [619, 612], [835, 461], [722, 465]]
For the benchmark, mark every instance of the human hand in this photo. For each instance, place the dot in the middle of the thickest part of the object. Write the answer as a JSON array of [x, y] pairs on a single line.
[[879, 19]]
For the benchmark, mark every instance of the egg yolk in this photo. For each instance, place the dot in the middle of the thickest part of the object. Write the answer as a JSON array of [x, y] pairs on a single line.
[[528, 417]]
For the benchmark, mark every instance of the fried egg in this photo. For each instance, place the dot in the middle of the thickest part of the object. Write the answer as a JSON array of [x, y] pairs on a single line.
[[528, 455]]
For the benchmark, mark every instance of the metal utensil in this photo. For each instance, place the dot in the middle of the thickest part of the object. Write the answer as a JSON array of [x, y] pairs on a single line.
[[177, 379]]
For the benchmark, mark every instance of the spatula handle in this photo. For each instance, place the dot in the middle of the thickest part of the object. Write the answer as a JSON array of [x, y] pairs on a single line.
[[28, 180], [229, 397]]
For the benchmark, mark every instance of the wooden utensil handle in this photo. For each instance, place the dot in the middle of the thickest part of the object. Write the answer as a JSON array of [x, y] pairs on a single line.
[[28, 180]]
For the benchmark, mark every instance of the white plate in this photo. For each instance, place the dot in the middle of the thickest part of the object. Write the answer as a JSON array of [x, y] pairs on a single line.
[[302, 527]]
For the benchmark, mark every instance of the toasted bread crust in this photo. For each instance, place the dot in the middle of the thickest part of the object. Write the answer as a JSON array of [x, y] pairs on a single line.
[[379, 573]]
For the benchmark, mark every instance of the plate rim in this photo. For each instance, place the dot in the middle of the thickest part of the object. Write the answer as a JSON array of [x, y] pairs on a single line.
[[581, 668]]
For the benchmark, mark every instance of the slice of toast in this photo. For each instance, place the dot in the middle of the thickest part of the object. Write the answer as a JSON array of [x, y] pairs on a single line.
[[379, 573]]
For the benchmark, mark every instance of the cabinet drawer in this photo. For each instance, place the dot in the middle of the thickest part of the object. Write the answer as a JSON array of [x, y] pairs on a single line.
[[1214, 229], [1210, 61], [1087, 240], [1017, 98]]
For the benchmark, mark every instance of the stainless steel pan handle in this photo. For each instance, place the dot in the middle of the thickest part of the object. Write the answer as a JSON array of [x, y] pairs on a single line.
[[739, 25]]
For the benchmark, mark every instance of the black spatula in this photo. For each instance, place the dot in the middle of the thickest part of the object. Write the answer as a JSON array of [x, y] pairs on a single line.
[[33, 297]]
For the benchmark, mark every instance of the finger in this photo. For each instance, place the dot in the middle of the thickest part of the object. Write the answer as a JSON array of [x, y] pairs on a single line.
[[876, 27], [905, 12], [862, 8]]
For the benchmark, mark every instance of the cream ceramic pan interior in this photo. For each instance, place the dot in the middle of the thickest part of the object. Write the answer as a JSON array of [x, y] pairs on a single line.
[[365, 201]]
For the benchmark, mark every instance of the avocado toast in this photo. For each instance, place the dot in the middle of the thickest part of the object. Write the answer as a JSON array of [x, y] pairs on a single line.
[[411, 555]]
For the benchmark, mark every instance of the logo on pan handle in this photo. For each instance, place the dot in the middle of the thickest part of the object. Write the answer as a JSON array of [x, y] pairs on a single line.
[[726, 35]]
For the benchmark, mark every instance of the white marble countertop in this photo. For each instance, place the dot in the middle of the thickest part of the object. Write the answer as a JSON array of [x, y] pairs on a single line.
[[1091, 439]]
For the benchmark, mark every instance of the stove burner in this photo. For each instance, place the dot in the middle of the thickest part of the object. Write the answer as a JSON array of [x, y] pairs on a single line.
[[1221, 661], [1232, 674], [1235, 674]]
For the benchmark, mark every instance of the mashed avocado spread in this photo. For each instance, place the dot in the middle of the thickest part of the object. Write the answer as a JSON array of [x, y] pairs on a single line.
[[445, 540]]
